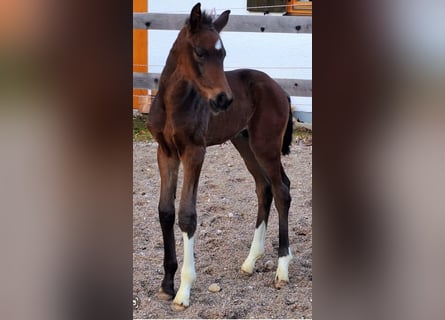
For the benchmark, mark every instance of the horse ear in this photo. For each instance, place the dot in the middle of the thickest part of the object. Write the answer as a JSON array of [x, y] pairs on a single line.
[[195, 17], [221, 21]]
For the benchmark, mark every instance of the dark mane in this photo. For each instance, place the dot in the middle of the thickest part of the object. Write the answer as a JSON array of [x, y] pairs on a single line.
[[206, 20]]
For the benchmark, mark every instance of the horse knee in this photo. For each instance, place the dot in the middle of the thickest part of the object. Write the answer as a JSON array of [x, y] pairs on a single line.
[[167, 217], [282, 200], [287, 198], [187, 222]]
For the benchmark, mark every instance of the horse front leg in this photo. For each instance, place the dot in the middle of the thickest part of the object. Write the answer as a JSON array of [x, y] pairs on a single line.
[[168, 168], [192, 159]]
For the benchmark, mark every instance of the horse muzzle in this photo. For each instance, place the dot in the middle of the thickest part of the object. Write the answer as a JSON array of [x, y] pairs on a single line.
[[220, 103]]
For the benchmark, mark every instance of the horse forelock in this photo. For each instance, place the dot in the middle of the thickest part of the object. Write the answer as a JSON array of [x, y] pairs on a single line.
[[206, 21]]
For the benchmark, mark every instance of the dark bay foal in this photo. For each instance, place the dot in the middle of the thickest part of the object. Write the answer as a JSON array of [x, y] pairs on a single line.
[[199, 105]]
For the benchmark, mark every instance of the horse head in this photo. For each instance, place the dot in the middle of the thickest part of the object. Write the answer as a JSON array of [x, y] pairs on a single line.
[[202, 57]]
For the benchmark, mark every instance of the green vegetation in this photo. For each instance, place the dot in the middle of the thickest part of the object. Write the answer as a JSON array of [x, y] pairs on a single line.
[[302, 132], [140, 131]]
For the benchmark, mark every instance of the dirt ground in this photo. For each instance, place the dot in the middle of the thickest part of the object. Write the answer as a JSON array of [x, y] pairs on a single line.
[[226, 221]]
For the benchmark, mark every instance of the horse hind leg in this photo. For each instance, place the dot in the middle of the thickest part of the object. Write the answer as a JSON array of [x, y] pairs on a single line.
[[268, 155], [264, 195], [282, 274], [256, 249], [269, 131], [281, 194]]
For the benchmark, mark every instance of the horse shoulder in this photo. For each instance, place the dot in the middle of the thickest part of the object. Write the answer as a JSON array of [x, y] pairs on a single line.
[[156, 117], [156, 122]]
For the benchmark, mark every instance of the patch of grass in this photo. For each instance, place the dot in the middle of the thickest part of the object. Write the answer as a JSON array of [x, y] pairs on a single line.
[[140, 131], [301, 132]]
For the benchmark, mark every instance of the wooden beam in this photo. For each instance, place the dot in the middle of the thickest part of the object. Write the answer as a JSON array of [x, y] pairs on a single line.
[[140, 55], [299, 88], [237, 23]]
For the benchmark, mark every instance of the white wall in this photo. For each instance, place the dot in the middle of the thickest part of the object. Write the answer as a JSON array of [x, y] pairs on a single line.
[[281, 55]]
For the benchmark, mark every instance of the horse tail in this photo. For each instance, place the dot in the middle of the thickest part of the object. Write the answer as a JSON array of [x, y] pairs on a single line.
[[287, 139]]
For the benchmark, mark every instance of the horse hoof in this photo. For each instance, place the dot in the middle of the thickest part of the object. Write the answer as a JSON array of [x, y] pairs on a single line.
[[245, 273], [178, 307], [278, 284], [162, 295]]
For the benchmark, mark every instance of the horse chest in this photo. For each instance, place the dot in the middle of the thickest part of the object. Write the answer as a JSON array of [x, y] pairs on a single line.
[[184, 128]]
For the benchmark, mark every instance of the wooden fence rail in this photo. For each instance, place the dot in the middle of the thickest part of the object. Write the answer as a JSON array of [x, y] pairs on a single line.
[[300, 88], [237, 23]]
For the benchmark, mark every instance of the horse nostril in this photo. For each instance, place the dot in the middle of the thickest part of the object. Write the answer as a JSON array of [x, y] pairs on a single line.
[[223, 101]]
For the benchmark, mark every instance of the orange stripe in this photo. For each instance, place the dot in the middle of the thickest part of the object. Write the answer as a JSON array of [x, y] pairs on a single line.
[[140, 54]]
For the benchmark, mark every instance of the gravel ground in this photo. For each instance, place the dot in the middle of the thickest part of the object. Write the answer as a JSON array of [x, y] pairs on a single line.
[[226, 221]]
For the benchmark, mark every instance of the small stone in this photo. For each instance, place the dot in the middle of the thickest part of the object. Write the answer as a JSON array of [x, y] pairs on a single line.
[[218, 231], [269, 265], [214, 287], [208, 270]]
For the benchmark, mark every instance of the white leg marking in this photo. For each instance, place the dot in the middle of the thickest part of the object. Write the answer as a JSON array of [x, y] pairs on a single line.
[[256, 249], [188, 274], [283, 267]]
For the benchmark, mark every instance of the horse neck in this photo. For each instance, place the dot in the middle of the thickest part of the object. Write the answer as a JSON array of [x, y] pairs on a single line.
[[174, 87], [175, 91], [174, 57]]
